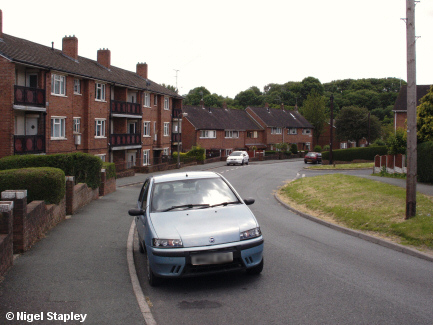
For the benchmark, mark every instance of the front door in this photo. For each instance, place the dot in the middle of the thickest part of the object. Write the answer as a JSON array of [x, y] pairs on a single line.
[[31, 125], [131, 158]]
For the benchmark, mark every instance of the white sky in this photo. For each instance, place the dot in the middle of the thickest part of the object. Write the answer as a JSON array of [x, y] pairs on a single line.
[[228, 46]]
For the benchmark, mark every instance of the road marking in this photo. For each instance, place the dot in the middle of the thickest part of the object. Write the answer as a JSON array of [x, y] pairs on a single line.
[[141, 300]]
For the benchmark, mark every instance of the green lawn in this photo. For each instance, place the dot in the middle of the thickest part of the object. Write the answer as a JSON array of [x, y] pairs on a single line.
[[342, 166], [364, 205]]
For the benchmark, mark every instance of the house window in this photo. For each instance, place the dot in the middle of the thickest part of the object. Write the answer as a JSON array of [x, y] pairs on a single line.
[[146, 157], [228, 152], [58, 127], [292, 131], [100, 92], [165, 151], [146, 129], [99, 128], [306, 131], [58, 85], [276, 131], [155, 100], [132, 127], [343, 145], [166, 103], [232, 134], [77, 86], [252, 134], [146, 99], [77, 125], [102, 156], [166, 129], [208, 134]]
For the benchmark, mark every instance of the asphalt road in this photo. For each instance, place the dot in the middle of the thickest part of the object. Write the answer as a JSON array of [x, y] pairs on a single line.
[[312, 274]]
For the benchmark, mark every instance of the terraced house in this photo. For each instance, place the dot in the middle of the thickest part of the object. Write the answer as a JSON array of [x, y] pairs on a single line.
[[55, 101]]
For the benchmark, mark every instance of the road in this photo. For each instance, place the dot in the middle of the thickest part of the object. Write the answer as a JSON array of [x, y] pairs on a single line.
[[312, 274]]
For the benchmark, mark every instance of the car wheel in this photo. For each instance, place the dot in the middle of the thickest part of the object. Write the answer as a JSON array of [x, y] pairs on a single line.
[[247, 162], [151, 277], [243, 162], [305, 161], [256, 269]]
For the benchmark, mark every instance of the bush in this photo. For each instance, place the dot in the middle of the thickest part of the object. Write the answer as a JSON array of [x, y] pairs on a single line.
[[42, 183], [110, 169], [197, 152], [326, 147], [294, 148], [84, 167], [317, 148], [397, 143], [424, 162], [364, 153]]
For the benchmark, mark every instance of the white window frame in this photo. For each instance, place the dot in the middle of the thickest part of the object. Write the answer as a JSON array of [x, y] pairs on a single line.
[[77, 86], [100, 127], [146, 129], [77, 125], [146, 99], [155, 100], [146, 157], [166, 129], [232, 134], [58, 85], [306, 131], [166, 151], [292, 131], [166, 103], [99, 92], [276, 130], [102, 156], [208, 134], [58, 129]]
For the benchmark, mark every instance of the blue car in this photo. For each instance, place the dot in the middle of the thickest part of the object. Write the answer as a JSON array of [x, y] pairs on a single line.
[[195, 223]]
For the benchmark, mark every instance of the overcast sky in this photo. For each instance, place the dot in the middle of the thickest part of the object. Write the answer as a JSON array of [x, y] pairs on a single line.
[[228, 46]]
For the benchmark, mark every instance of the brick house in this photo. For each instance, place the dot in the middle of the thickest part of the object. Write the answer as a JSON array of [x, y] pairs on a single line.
[[55, 101], [283, 126], [219, 130], [400, 106]]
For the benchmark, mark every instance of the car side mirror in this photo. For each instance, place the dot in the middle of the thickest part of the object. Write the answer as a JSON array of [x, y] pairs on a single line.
[[249, 201], [136, 212]]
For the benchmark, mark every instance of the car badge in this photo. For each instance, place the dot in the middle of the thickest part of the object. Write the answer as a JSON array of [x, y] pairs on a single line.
[[211, 240]]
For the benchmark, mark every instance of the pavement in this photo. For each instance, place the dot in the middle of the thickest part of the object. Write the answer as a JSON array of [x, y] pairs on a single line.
[[82, 272]]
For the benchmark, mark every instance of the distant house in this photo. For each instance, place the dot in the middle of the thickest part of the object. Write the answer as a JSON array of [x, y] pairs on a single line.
[[400, 106], [283, 126], [219, 130]]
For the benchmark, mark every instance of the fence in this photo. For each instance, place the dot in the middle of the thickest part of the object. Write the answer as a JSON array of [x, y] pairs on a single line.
[[392, 164]]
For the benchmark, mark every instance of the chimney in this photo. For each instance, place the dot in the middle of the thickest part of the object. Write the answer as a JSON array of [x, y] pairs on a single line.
[[104, 58], [202, 103], [142, 70], [70, 47], [282, 106], [1, 24], [225, 105]]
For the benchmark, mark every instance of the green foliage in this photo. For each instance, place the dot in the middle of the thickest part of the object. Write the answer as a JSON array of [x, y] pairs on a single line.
[[110, 169], [425, 118], [294, 148], [326, 147], [249, 97], [364, 153], [317, 148], [424, 162], [352, 124], [197, 152], [397, 143], [313, 110], [42, 183], [84, 167], [282, 146]]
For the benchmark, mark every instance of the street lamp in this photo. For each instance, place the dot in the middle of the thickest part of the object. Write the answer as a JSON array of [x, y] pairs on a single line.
[[178, 137]]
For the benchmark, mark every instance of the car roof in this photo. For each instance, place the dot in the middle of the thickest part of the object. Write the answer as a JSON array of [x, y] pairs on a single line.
[[184, 175]]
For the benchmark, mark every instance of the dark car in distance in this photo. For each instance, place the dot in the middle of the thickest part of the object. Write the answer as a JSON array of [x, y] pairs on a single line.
[[313, 157]]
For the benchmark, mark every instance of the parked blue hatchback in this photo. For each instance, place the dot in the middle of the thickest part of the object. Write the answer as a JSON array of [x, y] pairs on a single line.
[[195, 223]]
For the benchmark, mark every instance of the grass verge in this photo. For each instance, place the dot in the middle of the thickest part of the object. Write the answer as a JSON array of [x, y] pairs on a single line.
[[343, 166], [364, 205]]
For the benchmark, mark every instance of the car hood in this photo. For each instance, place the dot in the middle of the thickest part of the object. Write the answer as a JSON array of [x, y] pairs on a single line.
[[196, 226]]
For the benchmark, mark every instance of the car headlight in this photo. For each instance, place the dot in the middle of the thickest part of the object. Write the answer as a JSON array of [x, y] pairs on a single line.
[[252, 233], [157, 242]]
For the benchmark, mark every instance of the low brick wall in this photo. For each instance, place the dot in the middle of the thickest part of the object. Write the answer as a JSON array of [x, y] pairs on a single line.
[[6, 236]]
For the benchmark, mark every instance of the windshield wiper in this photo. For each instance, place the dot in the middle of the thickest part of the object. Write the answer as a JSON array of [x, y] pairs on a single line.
[[224, 203], [189, 206]]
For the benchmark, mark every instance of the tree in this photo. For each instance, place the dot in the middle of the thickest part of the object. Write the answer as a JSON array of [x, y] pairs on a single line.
[[424, 119], [314, 111], [397, 143], [195, 95], [352, 124], [249, 97]]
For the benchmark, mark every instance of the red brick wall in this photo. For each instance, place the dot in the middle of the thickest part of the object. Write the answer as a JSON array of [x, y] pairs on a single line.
[[6, 242], [189, 136], [400, 120], [7, 81]]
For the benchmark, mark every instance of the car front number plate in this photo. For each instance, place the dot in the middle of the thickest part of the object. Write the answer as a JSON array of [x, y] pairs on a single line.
[[214, 258]]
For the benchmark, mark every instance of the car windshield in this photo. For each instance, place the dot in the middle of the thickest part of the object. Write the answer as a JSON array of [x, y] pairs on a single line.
[[191, 193], [236, 153]]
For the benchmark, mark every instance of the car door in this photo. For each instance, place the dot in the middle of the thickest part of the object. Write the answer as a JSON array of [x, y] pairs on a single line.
[[141, 221]]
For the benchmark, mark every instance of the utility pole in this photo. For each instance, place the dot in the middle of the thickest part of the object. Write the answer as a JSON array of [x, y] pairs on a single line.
[[177, 89], [331, 129], [411, 111]]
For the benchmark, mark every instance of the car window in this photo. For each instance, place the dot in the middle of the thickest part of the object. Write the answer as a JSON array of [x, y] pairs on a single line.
[[143, 194], [236, 153], [195, 192]]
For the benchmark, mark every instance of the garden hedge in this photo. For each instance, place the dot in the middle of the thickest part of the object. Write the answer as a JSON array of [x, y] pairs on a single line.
[[85, 167], [362, 153], [42, 183], [425, 162]]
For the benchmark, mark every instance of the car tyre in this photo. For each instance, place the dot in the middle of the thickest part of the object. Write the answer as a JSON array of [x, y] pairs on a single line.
[[243, 162], [256, 269], [153, 280]]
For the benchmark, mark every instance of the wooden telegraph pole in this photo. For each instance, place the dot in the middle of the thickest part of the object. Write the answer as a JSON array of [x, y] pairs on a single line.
[[411, 111]]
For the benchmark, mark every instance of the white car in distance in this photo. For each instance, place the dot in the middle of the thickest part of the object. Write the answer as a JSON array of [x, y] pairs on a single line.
[[238, 157]]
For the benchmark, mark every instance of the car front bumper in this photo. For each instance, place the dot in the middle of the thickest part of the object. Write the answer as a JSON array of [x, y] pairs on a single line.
[[176, 262]]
